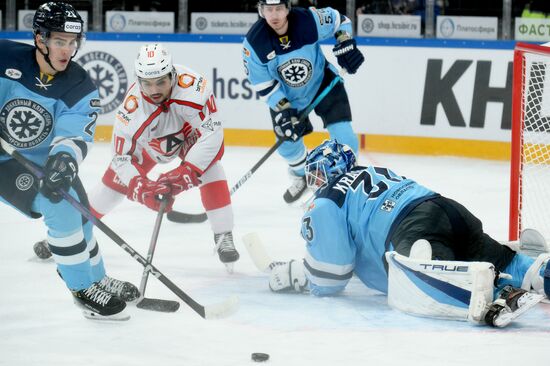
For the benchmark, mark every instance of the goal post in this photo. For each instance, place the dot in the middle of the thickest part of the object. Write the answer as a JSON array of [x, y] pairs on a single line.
[[530, 149]]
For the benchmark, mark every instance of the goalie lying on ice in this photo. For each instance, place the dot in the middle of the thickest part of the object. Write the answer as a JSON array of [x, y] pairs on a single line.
[[365, 220]]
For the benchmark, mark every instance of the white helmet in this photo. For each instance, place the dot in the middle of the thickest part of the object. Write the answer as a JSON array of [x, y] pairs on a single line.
[[153, 61]]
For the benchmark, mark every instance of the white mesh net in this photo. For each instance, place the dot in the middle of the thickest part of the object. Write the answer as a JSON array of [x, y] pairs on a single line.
[[535, 152]]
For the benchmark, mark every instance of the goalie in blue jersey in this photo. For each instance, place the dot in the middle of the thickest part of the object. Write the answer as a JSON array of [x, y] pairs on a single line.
[[48, 109], [285, 65], [426, 251]]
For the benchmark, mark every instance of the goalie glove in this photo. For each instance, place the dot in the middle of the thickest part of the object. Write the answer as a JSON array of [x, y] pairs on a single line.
[[348, 55], [60, 171], [180, 179], [288, 276]]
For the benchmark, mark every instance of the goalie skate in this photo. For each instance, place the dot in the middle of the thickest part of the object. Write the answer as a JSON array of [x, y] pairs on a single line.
[[511, 303], [98, 304]]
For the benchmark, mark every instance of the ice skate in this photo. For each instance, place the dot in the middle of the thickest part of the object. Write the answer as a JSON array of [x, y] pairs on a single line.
[[98, 304], [122, 289], [512, 303], [297, 188], [226, 249]]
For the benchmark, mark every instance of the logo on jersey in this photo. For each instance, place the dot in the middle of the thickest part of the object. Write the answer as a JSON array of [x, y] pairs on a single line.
[[108, 75], [271, 55], [13, 73], [388, 205], [285, 42], [131, 104], [186, 80], [24, 181], [246, 52], [296, 72], [208, 125], [25, 123]]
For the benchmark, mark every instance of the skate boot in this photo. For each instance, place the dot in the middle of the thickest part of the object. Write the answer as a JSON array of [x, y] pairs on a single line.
[[122, 289], [537, 277], [297, 188], [511, 303], [98, 304], [42, 250], [226, 249]]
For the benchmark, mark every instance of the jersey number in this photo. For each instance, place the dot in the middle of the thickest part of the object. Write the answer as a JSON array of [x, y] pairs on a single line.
[[307, 229], [89, 129]]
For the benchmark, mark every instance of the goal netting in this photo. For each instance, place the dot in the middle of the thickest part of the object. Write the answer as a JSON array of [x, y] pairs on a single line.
[[530, 160]]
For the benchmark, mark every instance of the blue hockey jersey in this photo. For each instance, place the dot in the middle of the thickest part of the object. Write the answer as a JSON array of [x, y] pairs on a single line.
[[348, 224], [40, 114], [291, 66]]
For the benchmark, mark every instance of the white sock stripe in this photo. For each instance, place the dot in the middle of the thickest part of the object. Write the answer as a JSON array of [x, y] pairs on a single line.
[[71, 259], [67, 241]]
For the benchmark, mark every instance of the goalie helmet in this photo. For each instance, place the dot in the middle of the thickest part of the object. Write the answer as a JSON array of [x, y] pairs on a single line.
[[328, 161], [153, 61], [57, 17]]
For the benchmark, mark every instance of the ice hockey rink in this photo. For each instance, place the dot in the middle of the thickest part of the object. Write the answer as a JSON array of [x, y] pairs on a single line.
[[39, 325]]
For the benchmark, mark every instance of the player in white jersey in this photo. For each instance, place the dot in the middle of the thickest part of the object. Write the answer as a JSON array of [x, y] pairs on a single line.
[[169, 113]]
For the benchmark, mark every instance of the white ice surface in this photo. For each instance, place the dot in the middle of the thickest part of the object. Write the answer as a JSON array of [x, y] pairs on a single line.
[[39, 325]]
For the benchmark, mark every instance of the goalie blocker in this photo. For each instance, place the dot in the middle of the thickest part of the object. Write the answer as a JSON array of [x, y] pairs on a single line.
[[453, 290]]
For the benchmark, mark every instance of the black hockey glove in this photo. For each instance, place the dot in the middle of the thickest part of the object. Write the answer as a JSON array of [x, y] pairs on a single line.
[[287, 125], [60, 171], [348, 55]]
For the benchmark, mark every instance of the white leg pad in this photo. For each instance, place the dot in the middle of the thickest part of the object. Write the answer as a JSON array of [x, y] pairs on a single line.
[[439, 289]]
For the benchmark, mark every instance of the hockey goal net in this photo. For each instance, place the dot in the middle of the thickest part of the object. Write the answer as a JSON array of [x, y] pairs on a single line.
[[530, 160]]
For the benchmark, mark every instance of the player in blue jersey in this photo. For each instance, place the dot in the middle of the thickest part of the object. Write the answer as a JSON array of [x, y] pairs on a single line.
[[48, 109], [285, 65], [361, 213]]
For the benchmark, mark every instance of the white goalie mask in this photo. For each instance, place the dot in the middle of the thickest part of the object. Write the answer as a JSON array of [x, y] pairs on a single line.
[[153, 61]]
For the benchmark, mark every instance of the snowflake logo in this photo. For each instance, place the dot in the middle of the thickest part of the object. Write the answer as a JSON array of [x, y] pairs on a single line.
[[296, 72], [25, 123], [108, 75]]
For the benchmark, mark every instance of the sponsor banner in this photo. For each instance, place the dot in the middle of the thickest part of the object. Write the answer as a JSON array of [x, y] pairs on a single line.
[[139, 22], [458, 27], [222, 23], [453, 93], [372, 25], [24, 19], [529, 29]]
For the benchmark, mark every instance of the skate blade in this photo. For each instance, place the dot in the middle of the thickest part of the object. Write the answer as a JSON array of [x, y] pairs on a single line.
[[531, 300], [229, 267], [122, 316]]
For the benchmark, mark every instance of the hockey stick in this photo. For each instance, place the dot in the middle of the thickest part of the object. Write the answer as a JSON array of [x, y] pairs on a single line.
[[207, 312], [257, 252], [167, 306], [185, 218]]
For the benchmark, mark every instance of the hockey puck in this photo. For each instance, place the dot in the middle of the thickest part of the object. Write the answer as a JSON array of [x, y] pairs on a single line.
[[260, 357]]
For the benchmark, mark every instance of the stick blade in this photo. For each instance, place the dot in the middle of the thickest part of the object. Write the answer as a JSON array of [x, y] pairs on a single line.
[[257, 252], [185, 218], [165, 306], [223, 309]]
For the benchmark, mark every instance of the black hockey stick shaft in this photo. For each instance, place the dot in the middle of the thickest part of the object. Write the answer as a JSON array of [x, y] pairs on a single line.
[[39, 173], [182, 217]]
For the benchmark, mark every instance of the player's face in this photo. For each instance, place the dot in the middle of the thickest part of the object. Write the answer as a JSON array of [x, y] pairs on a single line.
[[158, 90], [60, 48], [276, 17]]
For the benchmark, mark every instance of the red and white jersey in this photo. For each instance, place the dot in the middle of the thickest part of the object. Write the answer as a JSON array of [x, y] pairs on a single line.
[[187, 125]]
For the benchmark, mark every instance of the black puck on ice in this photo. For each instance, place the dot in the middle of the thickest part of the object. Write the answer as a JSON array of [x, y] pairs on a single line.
[[260, 357]]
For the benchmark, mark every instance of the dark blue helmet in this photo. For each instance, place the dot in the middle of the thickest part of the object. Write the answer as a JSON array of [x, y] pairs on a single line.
[[328, 161], [57, 17]]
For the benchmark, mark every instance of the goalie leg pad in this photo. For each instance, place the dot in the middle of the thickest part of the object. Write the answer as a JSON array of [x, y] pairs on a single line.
[[439, 289]]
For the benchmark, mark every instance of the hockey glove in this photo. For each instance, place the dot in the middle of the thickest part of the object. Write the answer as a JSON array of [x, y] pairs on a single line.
[[60, 171], [286, 124], [149, 193], [180, 179], [348, 55], [287, 277]]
